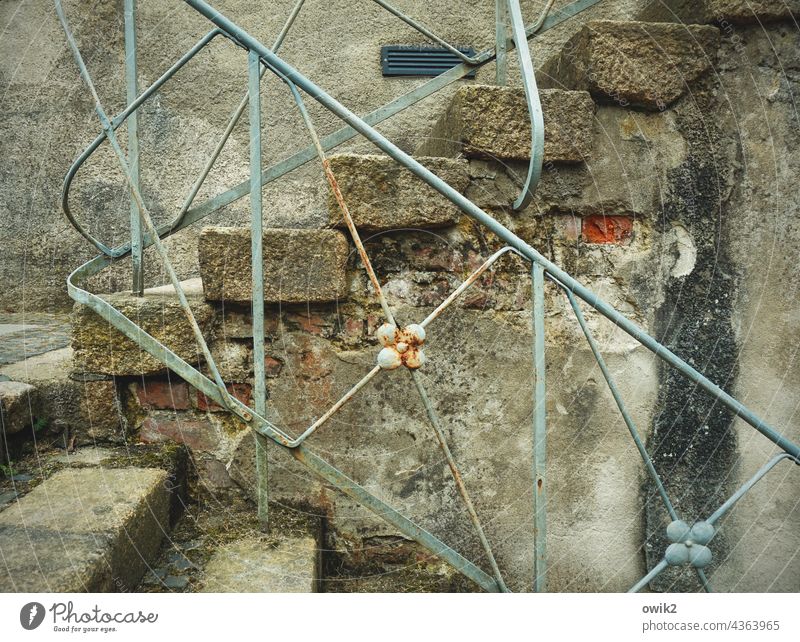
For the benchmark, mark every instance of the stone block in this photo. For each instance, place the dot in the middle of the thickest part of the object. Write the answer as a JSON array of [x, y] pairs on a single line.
[[486, 121], [101, 348], [88, 529], [18, 406], [101, 411], [718, 11], [252, 566], [382, 195], [647, 64], [300, 265]]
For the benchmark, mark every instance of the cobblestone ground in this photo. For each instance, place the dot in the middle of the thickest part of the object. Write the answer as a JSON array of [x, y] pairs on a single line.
[[24, 335]]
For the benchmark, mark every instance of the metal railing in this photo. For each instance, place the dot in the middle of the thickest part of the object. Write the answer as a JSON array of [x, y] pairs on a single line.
[[402, 346]]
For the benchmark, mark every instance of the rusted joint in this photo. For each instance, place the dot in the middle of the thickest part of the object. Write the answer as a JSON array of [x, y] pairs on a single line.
[[401, 347]]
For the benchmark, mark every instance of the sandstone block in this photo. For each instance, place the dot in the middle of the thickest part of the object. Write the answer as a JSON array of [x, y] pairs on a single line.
[[17, 406], [101, 348], [486, 121], [87, 529], [382, 195], [251, 566], [300, 265], [717, 11], [648, 64]]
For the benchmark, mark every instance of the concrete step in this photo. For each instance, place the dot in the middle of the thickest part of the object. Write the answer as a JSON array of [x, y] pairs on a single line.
[[486, 121], [645, 64], [382, 195], [83, 409], [220, 547], [251, 565], [91, 526], [300, 265]]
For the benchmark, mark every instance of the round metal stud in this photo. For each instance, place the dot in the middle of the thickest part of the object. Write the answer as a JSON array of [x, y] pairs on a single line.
[[677, 554], [389, 359], [678, 531]]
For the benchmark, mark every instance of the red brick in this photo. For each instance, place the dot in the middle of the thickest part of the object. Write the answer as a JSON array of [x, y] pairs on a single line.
[[198, 435], [242, 391], [607, 229], [163, 395], [272, 366]]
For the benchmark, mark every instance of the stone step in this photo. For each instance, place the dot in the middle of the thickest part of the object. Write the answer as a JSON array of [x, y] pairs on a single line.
[[101, 349], [486, 121], [717, 11], [85, 529], [250, 565], [19, 407], [78, 406], [300, 265], [382, 195], [645, 64]]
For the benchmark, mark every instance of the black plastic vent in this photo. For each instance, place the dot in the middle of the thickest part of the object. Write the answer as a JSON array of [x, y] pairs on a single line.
[[415, 60]]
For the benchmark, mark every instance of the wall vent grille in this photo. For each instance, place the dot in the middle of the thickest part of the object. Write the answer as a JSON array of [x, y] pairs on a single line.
[[416, 60]]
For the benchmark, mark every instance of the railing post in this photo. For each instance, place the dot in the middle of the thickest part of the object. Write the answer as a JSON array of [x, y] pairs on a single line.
[[132, 91], [257, 262], [539, 433], [500, 37]]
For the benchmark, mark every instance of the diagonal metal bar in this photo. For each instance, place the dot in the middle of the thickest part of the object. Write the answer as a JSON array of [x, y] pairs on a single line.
[[462, 489], [402, 523], [744, 488], [654, 572], [612, 386], [426, 32], [116, 122], [466, 284], [342, 204]]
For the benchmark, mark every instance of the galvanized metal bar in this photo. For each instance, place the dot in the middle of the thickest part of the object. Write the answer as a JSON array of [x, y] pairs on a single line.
[[534, 105], [341, 203], [494, 226], [744, 488], [257, 271], [612, 386], [539, 432], [654, 572], [426, 32], [704, 581], [466, 284], [462, 489], [500, 38], [335, 407], [390, 109], [132, 88]]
